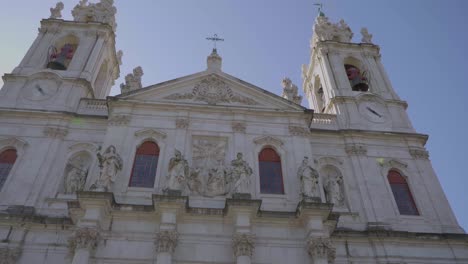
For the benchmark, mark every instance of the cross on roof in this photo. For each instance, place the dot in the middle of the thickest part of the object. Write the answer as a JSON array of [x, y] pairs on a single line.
[[214, 38]]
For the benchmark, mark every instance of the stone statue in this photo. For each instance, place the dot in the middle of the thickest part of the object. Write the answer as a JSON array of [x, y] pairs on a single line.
[[194, 183], [309, 180], [110, 164], [75, 178], [366, 37], [290, 91], [240, 175], [119, 55], [132, 81], [103, 12], [216, 184], [178, 172], [56, 12], [333, 186]]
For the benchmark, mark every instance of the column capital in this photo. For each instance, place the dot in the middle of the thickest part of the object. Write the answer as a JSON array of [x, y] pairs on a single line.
[[9, 255], [243, 244], [84, 238], [166, 241], [320, 247]]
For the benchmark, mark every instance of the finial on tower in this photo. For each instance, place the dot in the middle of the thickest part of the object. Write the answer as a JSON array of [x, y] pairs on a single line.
[[214, 61], [104, 11], [56, 12]]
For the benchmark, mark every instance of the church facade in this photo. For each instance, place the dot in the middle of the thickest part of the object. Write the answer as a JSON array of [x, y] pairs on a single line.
[[208, 168]]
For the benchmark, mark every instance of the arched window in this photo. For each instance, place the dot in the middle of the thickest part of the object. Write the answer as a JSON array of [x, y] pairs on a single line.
[[357, 79], [62, 53], [145, 165], [7, 160], [402, 193], [271, 177]]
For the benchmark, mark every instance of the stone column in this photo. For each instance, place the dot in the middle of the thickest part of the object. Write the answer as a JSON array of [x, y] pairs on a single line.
[[243, 247], [166, 242], [321, 250], [83, 244]]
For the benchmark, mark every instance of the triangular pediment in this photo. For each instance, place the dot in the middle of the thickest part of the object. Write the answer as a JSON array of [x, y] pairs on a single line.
[[210, 89]]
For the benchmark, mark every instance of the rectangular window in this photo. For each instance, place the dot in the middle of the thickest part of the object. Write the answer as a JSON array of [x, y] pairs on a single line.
[[271, 178], [144, 171]]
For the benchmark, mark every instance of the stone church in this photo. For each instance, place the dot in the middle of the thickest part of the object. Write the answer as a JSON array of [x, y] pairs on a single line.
[[208, 168]]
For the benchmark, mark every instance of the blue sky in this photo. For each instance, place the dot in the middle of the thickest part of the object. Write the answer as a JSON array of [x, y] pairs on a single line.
[[424, 46]]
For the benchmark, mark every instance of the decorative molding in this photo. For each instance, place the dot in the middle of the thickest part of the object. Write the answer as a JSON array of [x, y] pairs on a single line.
[[9, 255], [321, 248], [182, 123], [82, 146], [238, 127], [298, 131], [418, 153], [87, 238], [17, 143], [103, 12], [55, 132], [243, 244], [166, 241], [119, 120], [268, 140], [212, 90], [355, 149], [149, 132], [322, 161]]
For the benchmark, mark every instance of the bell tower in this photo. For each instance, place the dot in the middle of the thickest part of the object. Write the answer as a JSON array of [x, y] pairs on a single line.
[[347, 79], [68, 60]]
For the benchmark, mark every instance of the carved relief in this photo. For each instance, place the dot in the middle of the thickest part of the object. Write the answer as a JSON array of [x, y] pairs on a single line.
[[55, 132], [309, 177], [355, 149], [212, 90], [76, 172], [119, 120], [238, 127], [110, 164], [56, 12], [166, 241], [182, 123], [9, 255], [243, 244], [298, 131], [419, 153], [321, 248], [103, 12], [87, 238], [333, 185]]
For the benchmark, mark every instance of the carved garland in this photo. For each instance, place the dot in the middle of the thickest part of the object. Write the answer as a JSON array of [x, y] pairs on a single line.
[[243, 244], [166, 241]]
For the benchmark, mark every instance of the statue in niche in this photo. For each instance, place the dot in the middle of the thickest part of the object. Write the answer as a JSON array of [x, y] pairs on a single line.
[[76, 174], [216, 184], [309, 180], [110, 164], [333, 186], [194, 183], [240, 175], [178, 172]]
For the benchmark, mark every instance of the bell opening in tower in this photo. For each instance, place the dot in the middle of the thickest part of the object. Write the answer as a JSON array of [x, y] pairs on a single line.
[[357, 80]]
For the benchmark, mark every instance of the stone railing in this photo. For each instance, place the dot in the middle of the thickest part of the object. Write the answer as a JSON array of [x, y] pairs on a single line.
[[324, 121], [92, 107]]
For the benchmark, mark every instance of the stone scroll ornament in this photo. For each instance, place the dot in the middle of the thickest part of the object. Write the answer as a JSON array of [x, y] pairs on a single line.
[[177, 174], [110, 164], [309, 178]]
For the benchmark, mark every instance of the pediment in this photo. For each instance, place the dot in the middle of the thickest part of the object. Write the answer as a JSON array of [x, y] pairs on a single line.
[[210, 89]]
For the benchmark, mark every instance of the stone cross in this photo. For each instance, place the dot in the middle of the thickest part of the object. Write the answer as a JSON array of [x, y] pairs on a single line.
[[214, 38]]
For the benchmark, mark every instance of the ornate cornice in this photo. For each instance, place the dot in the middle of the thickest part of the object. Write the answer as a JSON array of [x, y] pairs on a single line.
[[87, 238], [166, 241], [355, 149], [9, 255], [419, 153], [238, 127], [119, 120], [321, 248], [182, 123], [243, 244], [55, 132]]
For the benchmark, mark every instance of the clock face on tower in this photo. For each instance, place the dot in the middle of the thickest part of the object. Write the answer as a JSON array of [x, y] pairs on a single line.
[[373, 111], [40, 89]]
